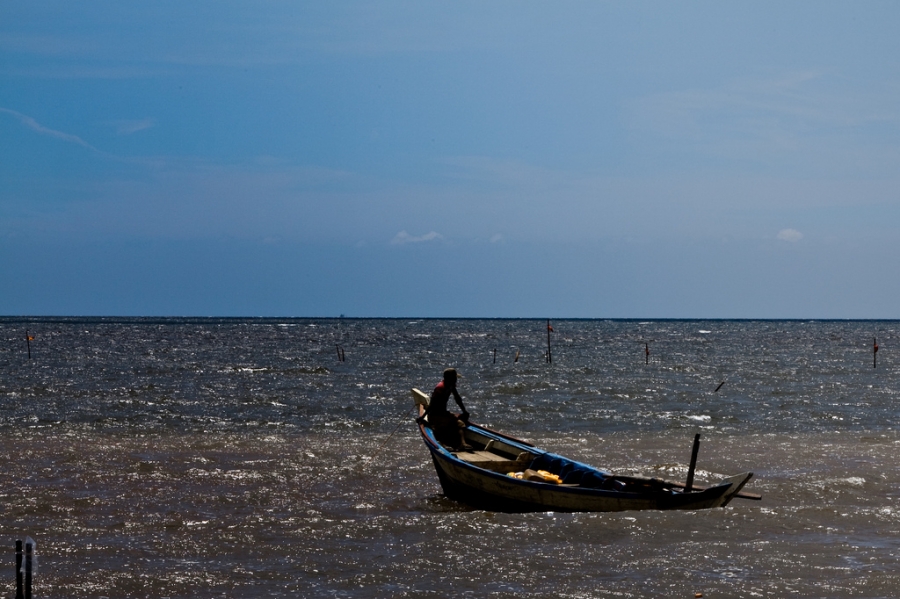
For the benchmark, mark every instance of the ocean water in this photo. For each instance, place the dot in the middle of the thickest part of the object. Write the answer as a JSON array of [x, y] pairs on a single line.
[[241, 457]]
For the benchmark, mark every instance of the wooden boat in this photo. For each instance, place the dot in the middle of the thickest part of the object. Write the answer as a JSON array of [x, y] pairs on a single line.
[[487, 477]]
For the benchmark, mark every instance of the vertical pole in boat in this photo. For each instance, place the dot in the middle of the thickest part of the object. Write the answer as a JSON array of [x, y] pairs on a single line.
[[19, 579], [28, 339], [690, 478], [549, 355], [875, 353]]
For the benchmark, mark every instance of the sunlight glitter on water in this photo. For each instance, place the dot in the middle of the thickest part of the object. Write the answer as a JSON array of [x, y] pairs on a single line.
[[200, 459]]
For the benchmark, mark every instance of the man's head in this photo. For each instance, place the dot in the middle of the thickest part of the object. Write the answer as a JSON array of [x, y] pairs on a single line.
[[450, 377]]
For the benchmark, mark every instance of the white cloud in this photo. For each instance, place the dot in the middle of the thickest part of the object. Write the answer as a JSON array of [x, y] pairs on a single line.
[[403, 237], [35, 126], [792, 235], [127, 127]]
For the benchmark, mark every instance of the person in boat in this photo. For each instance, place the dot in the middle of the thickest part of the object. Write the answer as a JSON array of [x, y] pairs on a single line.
[[448, 427]]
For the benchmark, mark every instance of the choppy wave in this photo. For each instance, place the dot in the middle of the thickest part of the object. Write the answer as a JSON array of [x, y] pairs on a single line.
[[202, 457]]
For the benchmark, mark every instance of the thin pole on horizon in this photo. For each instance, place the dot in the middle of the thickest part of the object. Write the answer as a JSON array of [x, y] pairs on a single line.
[[28, 339], [875, 352], [549, 354], [646, 353]]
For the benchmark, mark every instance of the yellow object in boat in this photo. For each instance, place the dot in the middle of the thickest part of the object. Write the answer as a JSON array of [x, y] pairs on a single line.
[[542, 476], [550, 477]]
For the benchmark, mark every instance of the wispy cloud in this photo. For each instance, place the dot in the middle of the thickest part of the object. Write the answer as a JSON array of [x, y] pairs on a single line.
[[403, 237], [37, 127], [127, 127], [752, 118], [791, 235]]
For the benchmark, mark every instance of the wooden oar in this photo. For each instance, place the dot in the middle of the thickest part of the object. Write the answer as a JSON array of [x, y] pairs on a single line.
[[499, 434]]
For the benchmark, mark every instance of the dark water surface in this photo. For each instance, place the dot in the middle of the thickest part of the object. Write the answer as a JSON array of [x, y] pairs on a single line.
[[239, 457]]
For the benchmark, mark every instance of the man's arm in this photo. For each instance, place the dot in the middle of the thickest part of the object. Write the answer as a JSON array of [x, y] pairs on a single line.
[[459, 402]]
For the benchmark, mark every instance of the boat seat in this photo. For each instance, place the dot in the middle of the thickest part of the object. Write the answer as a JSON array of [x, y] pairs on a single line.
[[481, 456], [493, 462]]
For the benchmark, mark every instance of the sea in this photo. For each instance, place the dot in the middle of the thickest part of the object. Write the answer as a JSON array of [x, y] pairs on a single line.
[[264, 457]]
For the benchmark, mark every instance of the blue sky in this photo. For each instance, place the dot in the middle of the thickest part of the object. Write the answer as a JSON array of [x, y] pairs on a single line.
[[450, 159]]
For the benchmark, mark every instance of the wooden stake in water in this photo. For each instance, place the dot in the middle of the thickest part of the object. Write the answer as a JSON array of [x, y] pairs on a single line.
[[20, 579], [28, 340], [646, 353], [875, 353], [29, 565], [495, 355], [690, 477], [25, 566], [549, 355]]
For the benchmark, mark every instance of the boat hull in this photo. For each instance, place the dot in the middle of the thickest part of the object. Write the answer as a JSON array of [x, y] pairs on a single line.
[[480, 479], [497, 492]]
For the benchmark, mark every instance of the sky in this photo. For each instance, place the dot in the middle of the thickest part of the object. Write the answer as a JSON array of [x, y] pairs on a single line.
[[519, 159]]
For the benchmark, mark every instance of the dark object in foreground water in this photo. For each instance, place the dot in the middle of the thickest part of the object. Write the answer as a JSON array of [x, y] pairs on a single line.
[[24, 569], [488, 477]]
